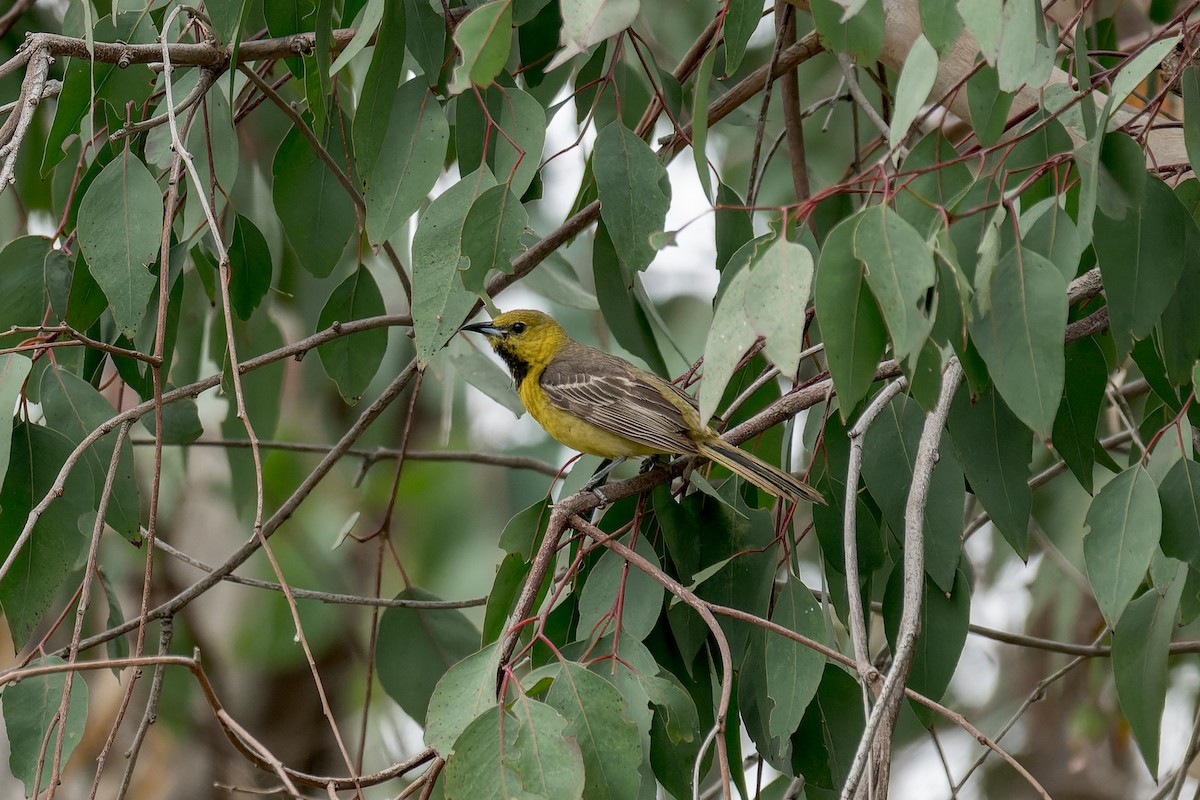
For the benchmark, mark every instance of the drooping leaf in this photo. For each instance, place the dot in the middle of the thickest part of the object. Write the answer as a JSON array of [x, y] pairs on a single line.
[[1125, 520], [409, 166], [518, 150], [614, 584], [912, 90], [464, 692], [373, 116], [14, 369], [900, 271], [31, 718], [484, 39], [352, 361], [1179, 494], [250, 267], [588, 22], [1021, 336], [793, 670], [492, 235], [120, 228], [634, 193]]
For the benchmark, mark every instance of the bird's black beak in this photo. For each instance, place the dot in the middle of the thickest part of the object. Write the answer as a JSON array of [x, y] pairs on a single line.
[[486, 328]]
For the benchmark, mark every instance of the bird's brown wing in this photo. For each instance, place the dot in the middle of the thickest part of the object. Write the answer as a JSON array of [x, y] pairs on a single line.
[[612, 394]]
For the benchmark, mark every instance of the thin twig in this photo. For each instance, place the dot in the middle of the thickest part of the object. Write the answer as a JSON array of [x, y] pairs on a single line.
[[31, 95]]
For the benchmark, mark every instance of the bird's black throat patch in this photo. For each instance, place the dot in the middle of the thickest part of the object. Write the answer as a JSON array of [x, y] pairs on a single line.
[[516, 365]]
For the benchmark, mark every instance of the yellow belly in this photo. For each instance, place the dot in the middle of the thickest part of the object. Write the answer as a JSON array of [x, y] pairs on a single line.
[[578, 434]]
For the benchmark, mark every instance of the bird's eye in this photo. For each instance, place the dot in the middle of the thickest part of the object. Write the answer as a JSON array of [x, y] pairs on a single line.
[[518, 327]]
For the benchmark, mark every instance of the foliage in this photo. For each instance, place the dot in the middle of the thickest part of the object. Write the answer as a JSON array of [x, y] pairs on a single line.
[[976, 336]]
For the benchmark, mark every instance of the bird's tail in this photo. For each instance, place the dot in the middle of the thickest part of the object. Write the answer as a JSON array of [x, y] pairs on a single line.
[[749, 466]]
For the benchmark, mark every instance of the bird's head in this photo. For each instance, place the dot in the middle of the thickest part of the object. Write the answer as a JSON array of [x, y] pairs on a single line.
[[523, 338]]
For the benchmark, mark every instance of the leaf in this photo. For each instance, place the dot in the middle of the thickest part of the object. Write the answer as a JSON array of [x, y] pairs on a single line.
[[249, 267], [634, 193], [352, 361], [1191, 113], [824, 745], [995, 449], [367, 25], [1139, 661], [317, 215], [120, 227], [900, 272], [761, 301], [912, 90], [852, 327], [613, 584], [523, 752], [1052, 233], [1079, 413], [588, 22], [988, 105], [741, 20], [1140, 261], [373, 116], [483, 39], [700, 114], [492, 235], [1134, 71], [860, 35], [440, 302], [945, 618], [31, 719], [942, 24], [465, 691], [889, 453], [74, 408], [23, 291], [29, 588], [1024, 56], [1021, 336], [1179, 494], [416, 647], [518, 152], [14, 369], [409, 167], [793, 670], [1125, 522], [425, 37], [598, 717], [617, 294]]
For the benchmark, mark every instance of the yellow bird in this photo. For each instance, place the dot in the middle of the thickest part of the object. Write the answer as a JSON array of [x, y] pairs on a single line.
[[600, 404]]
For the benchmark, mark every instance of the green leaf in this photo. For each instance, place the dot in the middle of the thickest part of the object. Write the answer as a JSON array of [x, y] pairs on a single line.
[[1179, 494], [14, 369], [510, 579], [317, 83], [1021, 336], [1177, 334], [1191, 113], [249, 267], [824, 745], [23, 291], [365, 30], [988, 105], [617, 294], [941, 24], [492, 235], [483, 39], [31, 720], [372, 117], [1078, 415], [995, 449], [518, 150], [352, 361], [945, 618], [1134, 71], [1139, 661], [889, 452], [599, 719], [700, 115], [31, 585], [1140, 261], [409, 167], [440, 302], [317, 215], [465, 691], [120, 228], [761, 301], [1049, 231], [614, 584], [522, 753], [900, 272], [425, 38], [634, 193], [852, 327], [793, 670], [741, 20], [1125, 522], [861, 36], [588, 22], [74, 408], [912, 90], [1024, 57], [416, 647]]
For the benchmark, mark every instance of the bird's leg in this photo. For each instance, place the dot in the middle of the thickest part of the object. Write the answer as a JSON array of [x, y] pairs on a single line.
[[607, 466], [651, 462]]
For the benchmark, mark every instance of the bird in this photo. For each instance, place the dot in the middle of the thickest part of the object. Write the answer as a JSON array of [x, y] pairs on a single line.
[[601, 404]]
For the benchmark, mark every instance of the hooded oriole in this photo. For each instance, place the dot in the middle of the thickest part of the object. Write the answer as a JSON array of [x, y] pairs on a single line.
[[600, 404]]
